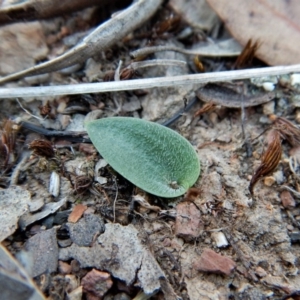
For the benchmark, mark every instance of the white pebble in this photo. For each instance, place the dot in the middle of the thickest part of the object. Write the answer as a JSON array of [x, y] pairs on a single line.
[[220, 239], [268, 86], [295, 79]]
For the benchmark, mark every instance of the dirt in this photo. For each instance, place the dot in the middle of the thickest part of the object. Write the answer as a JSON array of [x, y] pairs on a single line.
[[141, 246]]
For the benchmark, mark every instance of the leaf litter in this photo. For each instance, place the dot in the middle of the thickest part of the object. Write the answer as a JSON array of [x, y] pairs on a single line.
[[137, 244]]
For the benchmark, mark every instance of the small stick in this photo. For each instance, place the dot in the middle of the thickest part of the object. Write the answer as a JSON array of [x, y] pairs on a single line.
[[158, 82], [206, 50]]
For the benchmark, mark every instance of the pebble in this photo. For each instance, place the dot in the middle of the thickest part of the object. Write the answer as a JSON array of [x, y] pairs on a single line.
[[212, 262], [96, 284], [264, 120], [64, 268], [269, 181], [268, 86], [282, 103], [220, 239], [71, 282], [188, 221], [295, 79], [279, 177], [260, 272], [269, 108], [75, 294], [287, 200]]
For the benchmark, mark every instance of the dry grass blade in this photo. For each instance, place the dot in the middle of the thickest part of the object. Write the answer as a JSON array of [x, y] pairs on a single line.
[[288, 130], [246, 57], [270, 158]]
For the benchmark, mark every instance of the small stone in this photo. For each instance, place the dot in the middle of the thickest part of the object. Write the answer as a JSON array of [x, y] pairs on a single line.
[[212, 262], [269, 181], [295, 79], [71, 282], [224, 138], [279, 177], [64, 243], [75, 294], [268, 108], [86, 230], [77, 213], [188, 221], [64, 268], [44, 249], [220, 239], [264, 120], [256, 155], [295, 237], [268, 86], [287, 200], [96, 284], [260, 272]]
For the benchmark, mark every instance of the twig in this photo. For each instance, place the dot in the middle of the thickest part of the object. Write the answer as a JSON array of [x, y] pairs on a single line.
[[115, 200], [156, 62], [136, 84], [208, 50], [102, 38], [18, 168]]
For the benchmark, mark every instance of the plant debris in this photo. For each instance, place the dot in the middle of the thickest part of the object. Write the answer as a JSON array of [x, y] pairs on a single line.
[[270, 158]]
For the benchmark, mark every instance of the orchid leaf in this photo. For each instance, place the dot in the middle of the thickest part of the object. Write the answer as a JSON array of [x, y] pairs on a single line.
[[151, 156]]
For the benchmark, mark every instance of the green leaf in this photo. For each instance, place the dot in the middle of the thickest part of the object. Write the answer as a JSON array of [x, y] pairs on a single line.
[[151, 156]]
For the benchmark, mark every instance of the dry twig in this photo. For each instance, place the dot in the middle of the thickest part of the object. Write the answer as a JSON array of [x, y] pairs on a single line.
[[136, 84]]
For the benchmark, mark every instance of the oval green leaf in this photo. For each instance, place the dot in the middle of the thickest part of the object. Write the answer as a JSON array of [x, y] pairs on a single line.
[[151, 156]]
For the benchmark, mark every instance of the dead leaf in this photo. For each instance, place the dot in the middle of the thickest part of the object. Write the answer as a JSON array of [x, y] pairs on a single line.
[[13, 204], [270, 158], [15, 283], [43, 249], [21, 46], [196, 13], [276, 23]]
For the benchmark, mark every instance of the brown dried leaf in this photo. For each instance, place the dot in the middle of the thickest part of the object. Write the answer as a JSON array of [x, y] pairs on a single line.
[[275, 23], [288, 130], [270, 158]]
